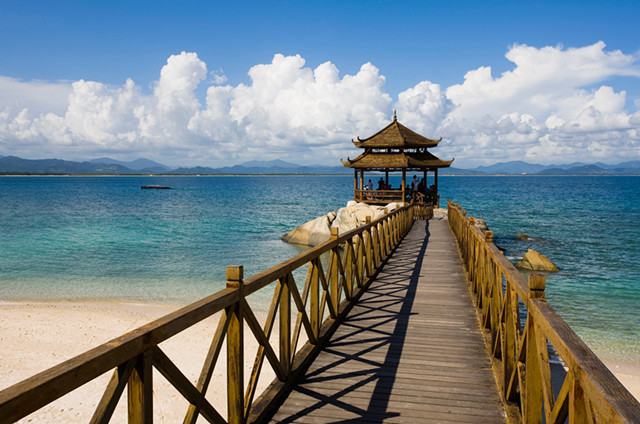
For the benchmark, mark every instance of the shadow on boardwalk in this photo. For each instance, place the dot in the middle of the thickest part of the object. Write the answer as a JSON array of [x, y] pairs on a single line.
[[390, 361]]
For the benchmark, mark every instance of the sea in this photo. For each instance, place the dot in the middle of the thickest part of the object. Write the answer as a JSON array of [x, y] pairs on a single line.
[[72, 238]]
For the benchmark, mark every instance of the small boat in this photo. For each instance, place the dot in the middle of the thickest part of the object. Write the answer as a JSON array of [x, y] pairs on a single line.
[[156, 187]]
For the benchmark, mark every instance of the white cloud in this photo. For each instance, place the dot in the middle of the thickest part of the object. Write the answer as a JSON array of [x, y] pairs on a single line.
[[553, 105], [569, 117], [291, 108], [36, 96], [423, 107], [541, 80]]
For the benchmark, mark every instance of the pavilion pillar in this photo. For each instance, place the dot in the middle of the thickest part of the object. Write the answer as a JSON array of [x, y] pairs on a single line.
[[437, 199], [404, 184], [426, 186], [361, 184], [386, 177]]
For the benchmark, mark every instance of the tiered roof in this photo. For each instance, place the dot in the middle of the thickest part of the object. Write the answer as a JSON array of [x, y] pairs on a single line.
[[396, 147], [395, 135]]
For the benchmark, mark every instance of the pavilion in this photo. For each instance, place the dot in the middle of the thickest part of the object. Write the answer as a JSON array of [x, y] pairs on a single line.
[[396, 148]]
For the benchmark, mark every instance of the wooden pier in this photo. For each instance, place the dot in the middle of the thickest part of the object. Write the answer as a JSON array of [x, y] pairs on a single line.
[[411, 348], [406, 320]]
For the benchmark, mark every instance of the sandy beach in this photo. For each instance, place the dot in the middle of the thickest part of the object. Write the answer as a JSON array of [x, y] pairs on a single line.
[[35, 336]]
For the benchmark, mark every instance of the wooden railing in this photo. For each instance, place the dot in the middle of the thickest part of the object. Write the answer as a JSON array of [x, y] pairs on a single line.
[[380, 196], [354, 259], [589, 393], [387, 196]]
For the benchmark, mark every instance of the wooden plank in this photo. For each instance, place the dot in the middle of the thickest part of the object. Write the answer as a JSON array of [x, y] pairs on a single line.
[[411, 348]]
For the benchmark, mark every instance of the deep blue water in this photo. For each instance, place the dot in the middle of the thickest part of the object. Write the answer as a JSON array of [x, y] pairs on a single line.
[[104, 238]]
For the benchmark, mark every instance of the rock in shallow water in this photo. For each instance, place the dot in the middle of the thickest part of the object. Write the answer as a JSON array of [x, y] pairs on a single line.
[[317, 231], [535, 261], [311, 233]]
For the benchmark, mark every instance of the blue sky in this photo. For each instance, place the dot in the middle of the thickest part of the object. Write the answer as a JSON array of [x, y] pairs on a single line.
[[63, 64]]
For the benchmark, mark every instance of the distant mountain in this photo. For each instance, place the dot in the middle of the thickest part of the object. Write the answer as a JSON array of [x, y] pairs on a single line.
[[572, 165], [242, 169], [16, 165], [575, 168], [268, 164], [108, 166], [578, 170], [513, 167], [196, 170], [272, 167], [146, 165], [459, 171]]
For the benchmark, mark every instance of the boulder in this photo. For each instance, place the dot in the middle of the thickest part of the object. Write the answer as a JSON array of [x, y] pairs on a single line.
[[440, 213], [355, 214], [362, 214], [378, 212], [535, 261], [393, 206], [311, 233], [481, 224], [345, 220], [523, 236], [352, 216]]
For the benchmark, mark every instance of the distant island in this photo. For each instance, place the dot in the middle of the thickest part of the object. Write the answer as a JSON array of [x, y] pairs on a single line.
[[13, 165]]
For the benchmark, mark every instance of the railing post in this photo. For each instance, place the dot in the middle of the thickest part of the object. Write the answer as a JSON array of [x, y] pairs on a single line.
[[348, 267], [140, 391], [533, 380], [368, 243], [314, 308], [396, 228], [536, 284], [335, 275], [488, 236], [359, 246], [385, 232], [235, 349], [285, 325]]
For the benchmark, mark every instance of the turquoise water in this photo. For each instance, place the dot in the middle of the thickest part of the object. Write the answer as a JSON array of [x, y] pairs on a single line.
[[589, 227], [75, 238]]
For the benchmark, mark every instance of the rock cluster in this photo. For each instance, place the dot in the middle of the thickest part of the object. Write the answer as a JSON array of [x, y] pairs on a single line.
[[440, 213], [535, 261], [318, 230]]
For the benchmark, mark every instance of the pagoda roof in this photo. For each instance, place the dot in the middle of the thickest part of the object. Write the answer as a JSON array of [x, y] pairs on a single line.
[[401, 160], [396, 135]]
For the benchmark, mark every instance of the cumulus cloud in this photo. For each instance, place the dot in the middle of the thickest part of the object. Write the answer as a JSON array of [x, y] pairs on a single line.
[[553, 105], [548, 108]]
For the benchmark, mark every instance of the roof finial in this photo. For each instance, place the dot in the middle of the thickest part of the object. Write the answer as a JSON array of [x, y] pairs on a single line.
[[394, 116]]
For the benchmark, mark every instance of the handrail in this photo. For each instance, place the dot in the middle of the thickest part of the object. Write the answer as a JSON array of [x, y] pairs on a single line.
[[520, 354], [355, 258]]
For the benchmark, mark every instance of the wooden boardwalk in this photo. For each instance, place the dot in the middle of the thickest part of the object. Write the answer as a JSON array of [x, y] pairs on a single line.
[[410, 351]]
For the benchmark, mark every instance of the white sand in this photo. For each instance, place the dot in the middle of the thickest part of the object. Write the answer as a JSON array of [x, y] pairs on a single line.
[[627, 372], [36, 336]]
